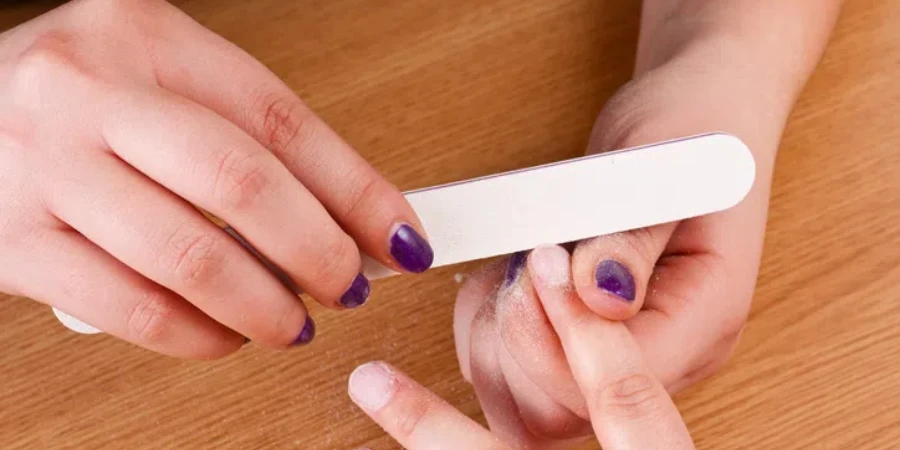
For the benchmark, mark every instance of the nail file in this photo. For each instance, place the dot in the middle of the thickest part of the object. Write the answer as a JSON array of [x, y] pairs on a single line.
[[580, 198], [572, 200]]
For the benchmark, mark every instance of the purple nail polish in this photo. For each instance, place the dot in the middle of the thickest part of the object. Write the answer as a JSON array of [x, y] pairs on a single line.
[[307, 333], [514, 268], [357, 293], [411, 250], [613, 277]]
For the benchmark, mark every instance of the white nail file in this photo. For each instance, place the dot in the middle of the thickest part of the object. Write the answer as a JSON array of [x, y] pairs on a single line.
[[572, 200], [580, 198]]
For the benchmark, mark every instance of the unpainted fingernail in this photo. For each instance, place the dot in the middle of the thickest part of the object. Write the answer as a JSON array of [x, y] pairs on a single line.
[[514, 267], [357, 293], [411, 251], [551, 264], [372, 385], [613, 277], [307, 333]]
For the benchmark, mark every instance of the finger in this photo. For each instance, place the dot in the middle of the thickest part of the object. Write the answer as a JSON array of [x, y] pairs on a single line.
[[213, 164], [478, 288], [611, 272], [717, 359], [629, 408], [412, 414], [67, 271], [529, 338], [496, 400], [169, 242], [690, 310], [202, 66], [544, 417]]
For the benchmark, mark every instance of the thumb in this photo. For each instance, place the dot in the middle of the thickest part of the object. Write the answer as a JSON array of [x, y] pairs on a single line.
[[628, 406], [611, 273]]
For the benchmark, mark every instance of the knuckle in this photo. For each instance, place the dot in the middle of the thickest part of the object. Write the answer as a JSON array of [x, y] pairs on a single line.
[[118, 8], [733, 326], [366, 192], [239, 181], [717, 364], [642, 243], [332, 259], [556, 424], [150, 317], [622, 124], [287, 326], [194, 257], [18, 233], [281, 122], [408, 420], [50, 56], [631, 396]]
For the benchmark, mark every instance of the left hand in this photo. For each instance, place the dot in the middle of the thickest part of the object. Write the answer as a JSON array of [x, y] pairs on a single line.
[[628, 407], [683, 289]]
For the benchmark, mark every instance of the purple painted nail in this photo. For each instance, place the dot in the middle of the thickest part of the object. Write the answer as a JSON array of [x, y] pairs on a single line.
[[411, 250], [613, 277], [307, 333], [514, 268], [357, 293]]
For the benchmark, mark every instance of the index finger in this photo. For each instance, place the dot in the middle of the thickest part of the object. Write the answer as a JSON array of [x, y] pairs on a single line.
[[414, 416], [629, 408], [202, 66]]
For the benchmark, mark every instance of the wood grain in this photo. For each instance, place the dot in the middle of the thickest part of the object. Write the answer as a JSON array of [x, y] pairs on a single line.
[[433, 92]]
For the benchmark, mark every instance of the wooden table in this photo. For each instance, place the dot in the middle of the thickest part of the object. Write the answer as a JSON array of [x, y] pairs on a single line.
[[432, 92]]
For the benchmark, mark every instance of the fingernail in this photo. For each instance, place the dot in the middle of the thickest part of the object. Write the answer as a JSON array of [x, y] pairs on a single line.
[[357, 293], [514, 268], [613, 277], [551, 265], [307, 333], [411, 250], [372, 386]]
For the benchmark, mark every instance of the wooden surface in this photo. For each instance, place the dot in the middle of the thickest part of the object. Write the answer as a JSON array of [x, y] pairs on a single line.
[[435, 91]]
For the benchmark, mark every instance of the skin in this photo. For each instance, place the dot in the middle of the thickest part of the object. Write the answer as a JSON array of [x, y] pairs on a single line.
[[112, 137], [734, 66], [629, 408], [118, 126]]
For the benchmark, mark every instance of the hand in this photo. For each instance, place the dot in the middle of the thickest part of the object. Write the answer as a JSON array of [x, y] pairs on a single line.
[[684, 289], [117, 118], [628, 407]]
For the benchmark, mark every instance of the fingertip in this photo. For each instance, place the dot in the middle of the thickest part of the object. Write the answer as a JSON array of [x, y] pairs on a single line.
[[606, 285], [372, 385], [410, 249], [307, 333], [550, 266], [475, 290]]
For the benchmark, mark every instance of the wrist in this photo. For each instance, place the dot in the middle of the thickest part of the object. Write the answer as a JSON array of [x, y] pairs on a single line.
[[716, 77]]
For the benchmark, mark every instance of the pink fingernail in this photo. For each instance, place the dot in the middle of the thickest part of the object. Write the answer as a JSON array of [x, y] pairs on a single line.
[[551, 265], [372, 385]]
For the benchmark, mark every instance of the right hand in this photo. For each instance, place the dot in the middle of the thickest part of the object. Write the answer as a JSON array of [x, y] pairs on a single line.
[[117, 118], [628, 407]]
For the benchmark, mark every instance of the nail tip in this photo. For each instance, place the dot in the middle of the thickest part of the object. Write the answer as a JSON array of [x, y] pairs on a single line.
[[514, 266], [307, 333], [410, 250], [358, 292], [615, 278]]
